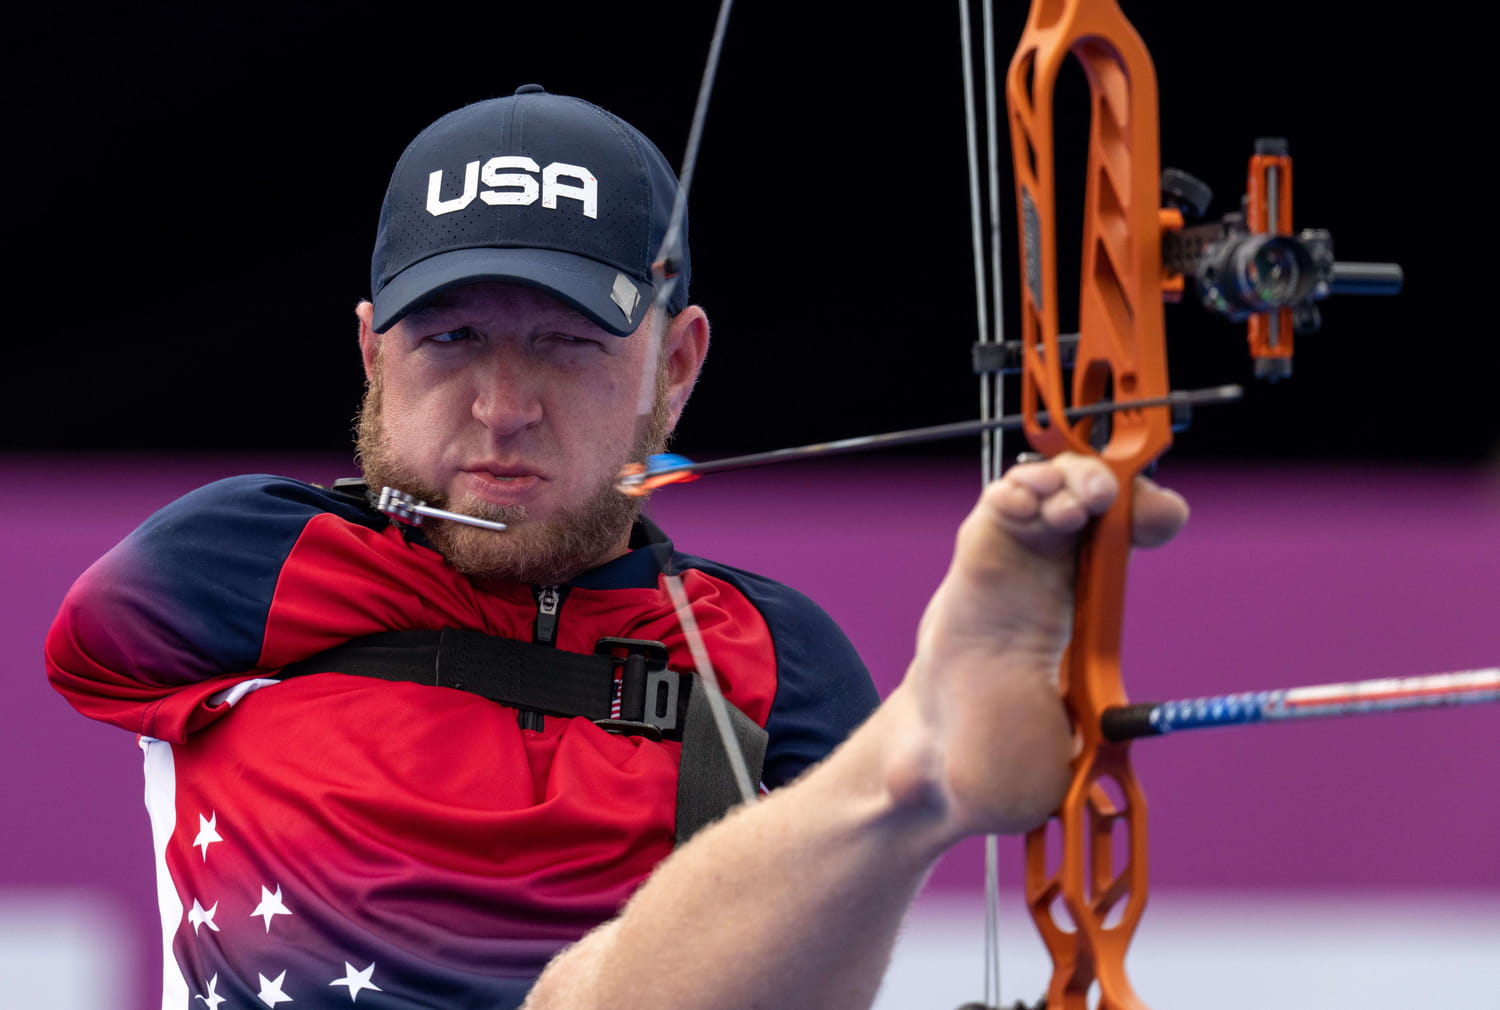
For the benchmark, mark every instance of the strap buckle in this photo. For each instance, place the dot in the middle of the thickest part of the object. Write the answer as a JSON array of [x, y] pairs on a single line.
[[650, 693]]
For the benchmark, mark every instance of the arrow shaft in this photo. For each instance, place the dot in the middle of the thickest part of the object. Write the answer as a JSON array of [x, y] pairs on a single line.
[[1467, 687], [956, 429]]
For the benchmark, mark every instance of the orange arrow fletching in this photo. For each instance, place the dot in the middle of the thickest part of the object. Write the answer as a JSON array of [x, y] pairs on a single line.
[[640, 479]]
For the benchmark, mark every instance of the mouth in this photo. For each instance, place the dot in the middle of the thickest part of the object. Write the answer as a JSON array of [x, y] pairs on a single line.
[[500, 471], [501, 485]]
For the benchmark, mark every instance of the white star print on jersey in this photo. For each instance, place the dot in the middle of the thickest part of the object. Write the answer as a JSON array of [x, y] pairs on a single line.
[[270, 990], [213, 999], [208, 833], [270, 906], [199, 916], [357, 980]]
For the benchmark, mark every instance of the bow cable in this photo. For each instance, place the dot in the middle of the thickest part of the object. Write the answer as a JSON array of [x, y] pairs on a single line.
[[997, 287], [991, 383]]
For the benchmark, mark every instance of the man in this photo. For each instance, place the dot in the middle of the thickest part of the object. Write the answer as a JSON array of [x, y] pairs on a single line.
[[335, 820]]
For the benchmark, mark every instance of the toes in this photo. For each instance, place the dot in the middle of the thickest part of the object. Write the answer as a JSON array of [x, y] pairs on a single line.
[[1160, 514]]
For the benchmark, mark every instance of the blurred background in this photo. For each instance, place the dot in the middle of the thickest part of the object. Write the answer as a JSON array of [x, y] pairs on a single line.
[[194, 195], [196, 189]]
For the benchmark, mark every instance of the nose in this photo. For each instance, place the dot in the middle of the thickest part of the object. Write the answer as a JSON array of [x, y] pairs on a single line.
[[507, 395]]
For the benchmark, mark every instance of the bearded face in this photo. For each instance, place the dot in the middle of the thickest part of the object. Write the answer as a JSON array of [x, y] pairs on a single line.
[[574, 538]]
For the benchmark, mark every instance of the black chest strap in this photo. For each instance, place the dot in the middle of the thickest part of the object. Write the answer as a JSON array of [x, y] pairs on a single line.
[[655, 701]]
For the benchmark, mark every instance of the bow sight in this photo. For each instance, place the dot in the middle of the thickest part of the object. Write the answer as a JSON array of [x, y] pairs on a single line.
[[1249, 267], [1243, 268]]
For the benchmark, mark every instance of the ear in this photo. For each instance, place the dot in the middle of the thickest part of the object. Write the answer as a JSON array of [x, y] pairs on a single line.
[[369, 340], [685, 345]]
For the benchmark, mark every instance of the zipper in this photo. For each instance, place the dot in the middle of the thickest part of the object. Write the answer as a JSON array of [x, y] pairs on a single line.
[[549, 601]]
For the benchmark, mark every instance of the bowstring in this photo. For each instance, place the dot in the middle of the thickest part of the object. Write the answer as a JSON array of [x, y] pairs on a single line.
[[665, 282]]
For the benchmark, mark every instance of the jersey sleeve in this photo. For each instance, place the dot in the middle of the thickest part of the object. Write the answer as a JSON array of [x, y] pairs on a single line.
[[178, 610], [823, 690]]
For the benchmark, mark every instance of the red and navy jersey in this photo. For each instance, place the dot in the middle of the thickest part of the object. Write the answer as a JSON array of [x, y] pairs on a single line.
[[336, 837]]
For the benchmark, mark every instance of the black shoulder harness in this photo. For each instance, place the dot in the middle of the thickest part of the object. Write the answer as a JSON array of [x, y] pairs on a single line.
[[654, 701]]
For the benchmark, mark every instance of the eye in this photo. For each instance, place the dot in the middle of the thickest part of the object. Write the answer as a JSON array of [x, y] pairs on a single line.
[[458, 336], [573, 341]]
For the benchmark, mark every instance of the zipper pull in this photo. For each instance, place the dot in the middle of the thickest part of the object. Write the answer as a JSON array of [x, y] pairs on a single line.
[[548, 603]]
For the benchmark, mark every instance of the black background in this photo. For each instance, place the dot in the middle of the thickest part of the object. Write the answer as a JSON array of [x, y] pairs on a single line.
[[193, 192]]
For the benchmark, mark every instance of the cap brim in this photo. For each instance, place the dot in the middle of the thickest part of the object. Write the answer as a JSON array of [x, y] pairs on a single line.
[[587, 285]]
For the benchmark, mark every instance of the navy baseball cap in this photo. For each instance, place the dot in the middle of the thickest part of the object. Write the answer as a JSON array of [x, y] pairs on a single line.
[[537, 189]]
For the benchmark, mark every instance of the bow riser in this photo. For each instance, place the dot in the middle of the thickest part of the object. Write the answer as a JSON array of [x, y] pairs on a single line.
[[1098, 892]]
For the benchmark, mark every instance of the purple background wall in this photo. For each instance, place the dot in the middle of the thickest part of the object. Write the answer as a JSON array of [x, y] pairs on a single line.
[[1283, 577]]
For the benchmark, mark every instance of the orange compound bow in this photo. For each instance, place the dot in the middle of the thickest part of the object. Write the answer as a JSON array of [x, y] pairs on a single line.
[[1086, 872]]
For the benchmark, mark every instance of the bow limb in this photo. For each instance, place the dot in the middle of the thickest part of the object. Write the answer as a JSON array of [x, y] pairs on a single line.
[[1087, 907]]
